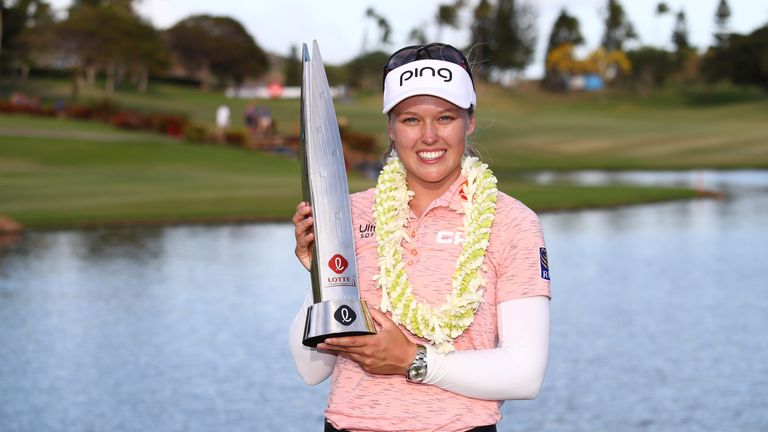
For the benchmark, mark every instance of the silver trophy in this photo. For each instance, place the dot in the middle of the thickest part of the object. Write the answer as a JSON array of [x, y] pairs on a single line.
[[337, 308]]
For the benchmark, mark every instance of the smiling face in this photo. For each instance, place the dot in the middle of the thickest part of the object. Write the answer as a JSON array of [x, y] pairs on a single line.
[[430, 135]]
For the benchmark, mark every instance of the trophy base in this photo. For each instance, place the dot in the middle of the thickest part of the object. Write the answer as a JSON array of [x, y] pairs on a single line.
[[338, 317]]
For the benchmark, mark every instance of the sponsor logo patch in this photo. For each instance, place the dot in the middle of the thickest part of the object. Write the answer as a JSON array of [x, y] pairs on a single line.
[[544, 263], [367, 230], [345, 315], [338, 263], [450, 237]]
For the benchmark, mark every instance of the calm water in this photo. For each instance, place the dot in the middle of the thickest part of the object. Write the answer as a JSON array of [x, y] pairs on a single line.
[[659, 323]]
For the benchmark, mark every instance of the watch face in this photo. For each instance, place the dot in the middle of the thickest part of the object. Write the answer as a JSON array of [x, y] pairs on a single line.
[[418, 372]]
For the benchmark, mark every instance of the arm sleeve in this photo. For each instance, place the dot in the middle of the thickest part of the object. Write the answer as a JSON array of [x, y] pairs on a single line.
[[521, 264], [514, 370], [313, 366]]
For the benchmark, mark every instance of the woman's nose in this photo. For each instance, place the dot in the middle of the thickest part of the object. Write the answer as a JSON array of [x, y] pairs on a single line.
[[429, 134]]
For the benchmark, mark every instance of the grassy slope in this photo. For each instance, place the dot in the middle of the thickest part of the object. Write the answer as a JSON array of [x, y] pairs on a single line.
[[584, 132], [533, 131], [63, 182], [74, 173]]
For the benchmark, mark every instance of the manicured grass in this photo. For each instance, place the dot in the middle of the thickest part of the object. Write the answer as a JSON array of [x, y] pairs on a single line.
[[518, 130], [59, 172], [569, 197], [64, 182], [584, 133], [59, 182]]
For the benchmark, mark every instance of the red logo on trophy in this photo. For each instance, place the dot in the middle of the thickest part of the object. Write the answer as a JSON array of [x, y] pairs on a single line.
[[338, 264]]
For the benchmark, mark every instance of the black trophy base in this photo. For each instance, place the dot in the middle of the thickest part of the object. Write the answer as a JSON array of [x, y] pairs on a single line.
[[336, 318]]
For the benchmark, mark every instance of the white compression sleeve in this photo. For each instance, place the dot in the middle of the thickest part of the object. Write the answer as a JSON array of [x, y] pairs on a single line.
[[514, 370], [313, 366]]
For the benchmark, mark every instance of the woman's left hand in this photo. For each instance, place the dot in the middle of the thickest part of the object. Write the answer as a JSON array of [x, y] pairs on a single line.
[[388, 352]]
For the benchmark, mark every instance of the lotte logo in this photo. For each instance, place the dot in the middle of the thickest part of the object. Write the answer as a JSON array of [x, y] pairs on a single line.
[[338, 264]]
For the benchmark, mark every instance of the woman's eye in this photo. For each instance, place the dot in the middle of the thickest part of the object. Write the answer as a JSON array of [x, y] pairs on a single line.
[[446, 118], [409, 120]]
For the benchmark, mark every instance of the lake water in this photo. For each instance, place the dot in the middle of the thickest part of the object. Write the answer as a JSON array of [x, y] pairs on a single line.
[[659, 321]]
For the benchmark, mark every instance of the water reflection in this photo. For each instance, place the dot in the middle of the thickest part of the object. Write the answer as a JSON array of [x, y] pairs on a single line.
[[181, 329], [658, 316], [658, 322], [736, 180], [108, 244]]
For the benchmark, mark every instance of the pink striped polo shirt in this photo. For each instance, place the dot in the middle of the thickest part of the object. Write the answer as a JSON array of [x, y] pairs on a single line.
[[515, 267]]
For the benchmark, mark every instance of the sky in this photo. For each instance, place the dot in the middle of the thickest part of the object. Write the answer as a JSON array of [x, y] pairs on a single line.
[[343, 31]]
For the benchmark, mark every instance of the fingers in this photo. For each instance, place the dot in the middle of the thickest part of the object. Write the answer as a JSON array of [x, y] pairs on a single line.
[[303, 229], [387, 330], [303, 208], [384, 323], [387, 352], [302, 219], [380, 317], [303, 224], [381, 320], [346, 343]]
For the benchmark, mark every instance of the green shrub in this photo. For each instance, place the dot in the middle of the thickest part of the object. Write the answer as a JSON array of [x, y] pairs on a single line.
[[234, 138], [358, 140], [195, 133], [128, 120]]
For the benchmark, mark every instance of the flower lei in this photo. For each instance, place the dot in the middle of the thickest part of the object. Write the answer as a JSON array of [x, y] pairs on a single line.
[[442, 324]]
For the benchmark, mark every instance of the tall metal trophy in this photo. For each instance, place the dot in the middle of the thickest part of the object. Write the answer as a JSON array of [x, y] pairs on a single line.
[[337, 309]]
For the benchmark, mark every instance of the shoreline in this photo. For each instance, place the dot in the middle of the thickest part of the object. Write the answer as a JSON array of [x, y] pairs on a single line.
[[243, 220]]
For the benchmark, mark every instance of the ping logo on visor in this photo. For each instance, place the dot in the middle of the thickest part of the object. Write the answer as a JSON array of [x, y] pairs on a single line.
[[438, 78], [442, 72]]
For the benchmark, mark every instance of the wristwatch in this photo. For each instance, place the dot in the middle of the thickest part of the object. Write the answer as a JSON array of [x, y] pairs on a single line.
[[418, 369]]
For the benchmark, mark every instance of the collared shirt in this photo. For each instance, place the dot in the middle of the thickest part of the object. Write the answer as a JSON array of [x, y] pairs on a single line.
[[515, 267]]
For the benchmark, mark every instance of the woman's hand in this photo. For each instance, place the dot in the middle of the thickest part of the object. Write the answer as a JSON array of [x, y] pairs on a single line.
[[305, 236], [388, 352]]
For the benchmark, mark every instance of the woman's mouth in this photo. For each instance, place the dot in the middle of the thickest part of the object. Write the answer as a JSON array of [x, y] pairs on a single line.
[[431, 155]]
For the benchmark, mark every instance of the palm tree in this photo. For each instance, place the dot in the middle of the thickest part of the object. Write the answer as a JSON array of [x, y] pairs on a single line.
[[448, 15], [385, 29], [662, 8]]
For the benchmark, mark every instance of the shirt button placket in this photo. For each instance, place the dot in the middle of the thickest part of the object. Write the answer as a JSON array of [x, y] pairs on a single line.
[[414, 250]]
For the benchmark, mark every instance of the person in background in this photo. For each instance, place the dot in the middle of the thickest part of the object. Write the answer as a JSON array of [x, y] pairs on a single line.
[[251, 117], [456, 276], [222, 122], [264, 124]]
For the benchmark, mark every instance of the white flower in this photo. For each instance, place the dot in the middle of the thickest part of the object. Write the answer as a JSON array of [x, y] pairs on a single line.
[[391, 212]]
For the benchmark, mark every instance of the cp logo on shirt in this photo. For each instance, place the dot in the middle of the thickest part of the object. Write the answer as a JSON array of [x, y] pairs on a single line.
[[450, 237]]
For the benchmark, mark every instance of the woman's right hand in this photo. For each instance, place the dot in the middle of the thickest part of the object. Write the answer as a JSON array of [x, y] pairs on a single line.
[[305, 236]]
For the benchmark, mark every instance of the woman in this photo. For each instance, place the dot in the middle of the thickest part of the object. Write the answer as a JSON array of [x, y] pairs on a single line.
[[455, 278]]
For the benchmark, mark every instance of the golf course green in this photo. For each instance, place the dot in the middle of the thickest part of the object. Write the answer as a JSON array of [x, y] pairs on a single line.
[[59, 172]]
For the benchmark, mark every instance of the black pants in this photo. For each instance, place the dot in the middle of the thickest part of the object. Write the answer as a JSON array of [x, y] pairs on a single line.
[[490, 428]]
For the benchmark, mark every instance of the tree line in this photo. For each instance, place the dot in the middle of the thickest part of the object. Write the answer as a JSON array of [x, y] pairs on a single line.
[[741, 59], [108, 38]]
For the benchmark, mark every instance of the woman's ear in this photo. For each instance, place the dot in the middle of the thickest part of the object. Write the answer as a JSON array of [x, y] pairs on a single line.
[[471, 124]]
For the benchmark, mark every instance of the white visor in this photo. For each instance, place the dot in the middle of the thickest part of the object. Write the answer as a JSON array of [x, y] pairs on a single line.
[[439, 78]]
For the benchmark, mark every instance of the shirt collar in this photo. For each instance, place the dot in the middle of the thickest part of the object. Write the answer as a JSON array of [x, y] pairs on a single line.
[[451, 198]]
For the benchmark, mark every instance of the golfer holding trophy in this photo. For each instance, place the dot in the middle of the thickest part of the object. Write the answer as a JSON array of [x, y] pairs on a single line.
[[452, 272]]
